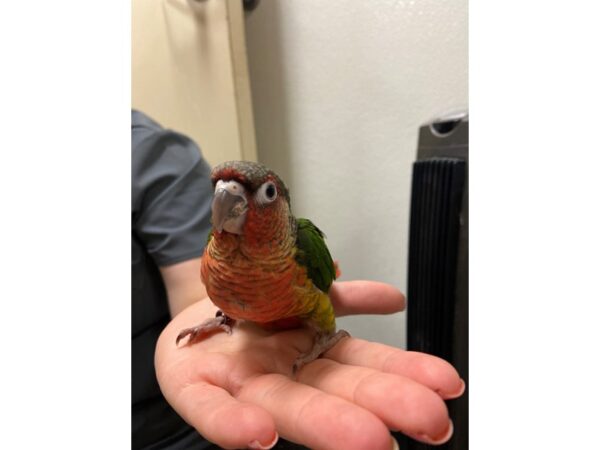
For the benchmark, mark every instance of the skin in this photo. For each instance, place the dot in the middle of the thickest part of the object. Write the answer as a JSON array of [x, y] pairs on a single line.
[[236, 389]]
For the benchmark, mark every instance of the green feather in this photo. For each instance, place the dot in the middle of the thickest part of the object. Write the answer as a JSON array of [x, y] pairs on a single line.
[[314, 255]]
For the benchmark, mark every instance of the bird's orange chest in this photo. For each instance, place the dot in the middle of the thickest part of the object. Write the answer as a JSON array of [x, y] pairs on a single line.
[[264, 288]]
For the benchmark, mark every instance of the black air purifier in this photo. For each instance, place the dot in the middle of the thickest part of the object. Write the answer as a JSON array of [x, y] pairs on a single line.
[[437, 297]]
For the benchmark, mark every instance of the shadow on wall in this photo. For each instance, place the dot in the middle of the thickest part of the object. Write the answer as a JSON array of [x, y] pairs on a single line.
[[268, 80]]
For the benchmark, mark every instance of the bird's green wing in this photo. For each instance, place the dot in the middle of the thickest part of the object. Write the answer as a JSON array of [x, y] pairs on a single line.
[[314, 255]]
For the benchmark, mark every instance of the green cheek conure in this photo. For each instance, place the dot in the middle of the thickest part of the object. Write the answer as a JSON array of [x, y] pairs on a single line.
[[262, 264]]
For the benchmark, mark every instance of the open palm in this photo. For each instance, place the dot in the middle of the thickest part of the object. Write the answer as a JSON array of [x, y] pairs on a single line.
[[238, 390]]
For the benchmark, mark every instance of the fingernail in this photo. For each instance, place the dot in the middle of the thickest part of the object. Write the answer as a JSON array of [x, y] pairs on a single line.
[[395, 445], [255, 445], [440, 439], [460, 391]]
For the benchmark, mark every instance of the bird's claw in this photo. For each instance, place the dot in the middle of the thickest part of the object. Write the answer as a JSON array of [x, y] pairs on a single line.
[[219, 322]]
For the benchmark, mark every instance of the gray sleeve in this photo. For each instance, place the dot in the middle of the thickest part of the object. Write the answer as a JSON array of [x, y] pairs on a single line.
[[171, 193]]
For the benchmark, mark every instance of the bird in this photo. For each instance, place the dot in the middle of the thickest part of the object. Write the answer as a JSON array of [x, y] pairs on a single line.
[[262, 264]]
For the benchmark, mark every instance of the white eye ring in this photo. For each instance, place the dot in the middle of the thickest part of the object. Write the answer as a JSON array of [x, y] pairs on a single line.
[[267, 193]]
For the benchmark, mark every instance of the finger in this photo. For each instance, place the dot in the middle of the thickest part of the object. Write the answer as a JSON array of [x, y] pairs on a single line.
[[365, 297], [224, 420], [315, 419], [401, 403], [431, 371]]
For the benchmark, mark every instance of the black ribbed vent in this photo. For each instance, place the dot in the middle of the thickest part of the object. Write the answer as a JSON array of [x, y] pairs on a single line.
[[438, 261], [437, 192]]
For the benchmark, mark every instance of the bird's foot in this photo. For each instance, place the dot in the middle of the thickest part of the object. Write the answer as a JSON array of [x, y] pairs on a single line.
[[323, 343], [219, 322]]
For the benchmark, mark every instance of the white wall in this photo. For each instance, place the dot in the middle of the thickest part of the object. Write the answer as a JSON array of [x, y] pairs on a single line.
[[339, 90]]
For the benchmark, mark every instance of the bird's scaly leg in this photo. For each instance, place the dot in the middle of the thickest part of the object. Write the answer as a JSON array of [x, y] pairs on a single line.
[[323, 342], [219, 322]]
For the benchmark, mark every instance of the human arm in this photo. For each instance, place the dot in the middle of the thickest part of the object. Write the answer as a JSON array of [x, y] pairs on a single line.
[[236, 389], [171, 195], [183, 284]]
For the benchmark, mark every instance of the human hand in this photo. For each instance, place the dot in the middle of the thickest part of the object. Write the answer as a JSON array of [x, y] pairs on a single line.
[[237, 389]]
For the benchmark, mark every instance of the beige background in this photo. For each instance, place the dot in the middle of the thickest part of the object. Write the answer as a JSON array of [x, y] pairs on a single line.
[[189, 72]]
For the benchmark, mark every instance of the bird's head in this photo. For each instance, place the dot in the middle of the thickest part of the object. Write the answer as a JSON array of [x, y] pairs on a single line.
[[249, 199]]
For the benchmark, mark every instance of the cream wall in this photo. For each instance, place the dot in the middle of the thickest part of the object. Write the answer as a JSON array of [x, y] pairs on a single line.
[[189, 72], [339, 90]]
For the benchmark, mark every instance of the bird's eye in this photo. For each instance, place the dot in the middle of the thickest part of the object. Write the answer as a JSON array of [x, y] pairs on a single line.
[[266, 193]]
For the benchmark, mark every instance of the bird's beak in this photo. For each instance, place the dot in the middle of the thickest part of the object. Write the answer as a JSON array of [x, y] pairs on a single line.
[[229, 207]]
